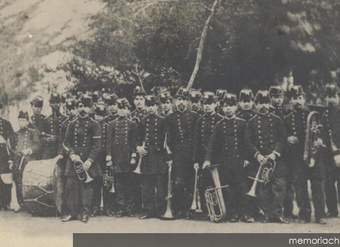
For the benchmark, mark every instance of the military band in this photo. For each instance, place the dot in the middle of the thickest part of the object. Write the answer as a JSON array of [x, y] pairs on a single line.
[[113, 158]]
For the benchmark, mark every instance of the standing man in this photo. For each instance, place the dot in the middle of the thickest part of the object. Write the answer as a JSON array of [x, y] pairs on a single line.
[[203, 129], [82, 144], [137, 116], [153, 167], [39, 121], [180, 134], [196, 101], [226, 148], [121, 154], [246, 104], [6, 160], [331, 123], [165, 108], [51, 138], [265, 137]]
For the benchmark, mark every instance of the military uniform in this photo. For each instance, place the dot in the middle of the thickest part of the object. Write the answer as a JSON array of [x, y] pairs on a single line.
[[51, 138], [82, 138], [246, 114], [331, 123], [203, 130], [180, 141], [153, 166], [7, 133], [265, 135], [40, 122], [226, 148], [121, 143]]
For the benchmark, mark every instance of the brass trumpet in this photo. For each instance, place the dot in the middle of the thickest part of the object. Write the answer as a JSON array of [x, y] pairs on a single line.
[[263, 175], [196, 200], [138, 168]]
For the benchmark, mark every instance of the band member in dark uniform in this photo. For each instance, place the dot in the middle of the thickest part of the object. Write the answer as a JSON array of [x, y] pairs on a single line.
[[226, 148], [165, 108], [6, 160], [196, 101], [180, 142], [111, 104], [331, 123], [99, 115], [82, 144], [203, 130], [27, 148], [153, 167], [51, 138], [39, 120], [137, 116], [246, 104], [121, 141], [265, 137], [220, 93]]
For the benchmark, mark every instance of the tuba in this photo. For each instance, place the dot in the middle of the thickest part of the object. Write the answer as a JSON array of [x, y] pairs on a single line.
[[196, 200], [214, 198], [81, 173], [313, 133], [263, 175], [168, 214]]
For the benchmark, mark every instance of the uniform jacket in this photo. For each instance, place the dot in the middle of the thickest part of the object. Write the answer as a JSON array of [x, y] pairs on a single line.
[[203, 129], [83, 138], [152, 133], [138, 115], [265, 134], [246, 114], [121, 143], [180, 135], [227, 147], [28, 138]]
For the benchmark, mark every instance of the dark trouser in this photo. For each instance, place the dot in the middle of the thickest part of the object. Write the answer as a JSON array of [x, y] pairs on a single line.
[[153, 193], [300, 178], [204, 183], [271, 196], [97, 192], [288, 201], [5, 194], [125, 194], [78, 196], [332, 197], [183, 187], [136, 184], [236, 199], [60, 184]]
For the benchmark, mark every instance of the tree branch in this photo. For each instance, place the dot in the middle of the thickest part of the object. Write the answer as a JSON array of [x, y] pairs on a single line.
[[202, 42]]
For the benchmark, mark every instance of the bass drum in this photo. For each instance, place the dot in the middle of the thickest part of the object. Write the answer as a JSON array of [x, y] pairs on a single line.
[[38, 183]]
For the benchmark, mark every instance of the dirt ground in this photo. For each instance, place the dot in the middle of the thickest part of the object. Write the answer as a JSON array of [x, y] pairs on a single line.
[[22, 228]]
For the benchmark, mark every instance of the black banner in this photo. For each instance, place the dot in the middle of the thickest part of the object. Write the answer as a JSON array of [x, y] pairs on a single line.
[[204, 240]]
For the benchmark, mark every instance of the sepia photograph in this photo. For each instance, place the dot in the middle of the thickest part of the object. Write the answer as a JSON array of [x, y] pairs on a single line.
[[169, 117]]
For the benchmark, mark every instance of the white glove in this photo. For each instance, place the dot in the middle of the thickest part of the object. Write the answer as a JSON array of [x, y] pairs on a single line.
[[292, 139], [196, 166], [59, 157], [27, 151], [206, 164], [11, 164], [75, 157], [87, 164], [141, 150], [272, 156], [260, 158]]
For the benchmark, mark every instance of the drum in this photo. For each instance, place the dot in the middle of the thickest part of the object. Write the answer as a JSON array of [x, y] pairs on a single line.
[[38, 183]]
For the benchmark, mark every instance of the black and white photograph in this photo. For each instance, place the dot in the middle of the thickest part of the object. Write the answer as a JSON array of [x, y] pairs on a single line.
[[169, 117]]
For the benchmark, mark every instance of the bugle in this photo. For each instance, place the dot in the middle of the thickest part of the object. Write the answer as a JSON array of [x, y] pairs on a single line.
[[168, 214], [196, 200], [138, 168]]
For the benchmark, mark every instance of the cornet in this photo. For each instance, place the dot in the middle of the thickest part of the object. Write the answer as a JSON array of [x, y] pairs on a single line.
[[82, 174]]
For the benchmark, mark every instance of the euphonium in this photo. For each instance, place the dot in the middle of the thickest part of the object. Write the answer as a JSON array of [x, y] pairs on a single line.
[[214, 198], [81, 173], [196, 200]]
